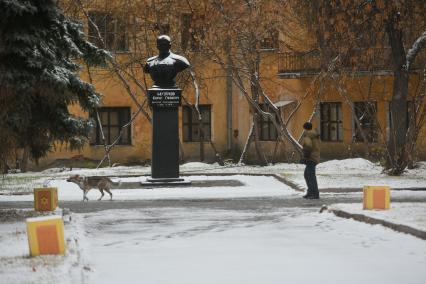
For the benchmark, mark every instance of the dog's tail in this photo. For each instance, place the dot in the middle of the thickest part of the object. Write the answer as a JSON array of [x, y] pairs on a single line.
[[115, 183]]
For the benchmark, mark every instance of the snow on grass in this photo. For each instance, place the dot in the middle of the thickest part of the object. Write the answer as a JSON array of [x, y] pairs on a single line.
[[356, 173], [354, 166], [409, 214], [199, 165], [187, 245], [348, 173], [216, 246], [20, 183], [16, 266], [253, 186]]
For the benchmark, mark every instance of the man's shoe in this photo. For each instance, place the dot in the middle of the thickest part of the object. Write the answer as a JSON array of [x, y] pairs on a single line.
[[311, 196]]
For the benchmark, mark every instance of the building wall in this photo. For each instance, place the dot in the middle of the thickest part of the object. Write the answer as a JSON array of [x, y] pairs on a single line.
[[213, 92]]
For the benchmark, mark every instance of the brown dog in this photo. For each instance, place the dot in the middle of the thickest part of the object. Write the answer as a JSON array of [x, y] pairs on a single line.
[[87, 183]]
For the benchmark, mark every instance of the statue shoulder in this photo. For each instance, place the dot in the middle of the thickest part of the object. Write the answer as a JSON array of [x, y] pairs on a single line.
[[151, 58], [180, 58], [149, 63]]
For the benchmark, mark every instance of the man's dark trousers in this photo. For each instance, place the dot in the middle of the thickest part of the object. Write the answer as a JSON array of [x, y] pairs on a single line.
[[311, 178]]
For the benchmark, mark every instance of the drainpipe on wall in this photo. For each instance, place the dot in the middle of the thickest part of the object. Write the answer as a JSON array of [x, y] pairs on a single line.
[[229, 133]]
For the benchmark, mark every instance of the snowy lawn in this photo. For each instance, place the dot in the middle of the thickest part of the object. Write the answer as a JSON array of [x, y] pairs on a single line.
[[355, 173], [183, 245], [253, 186], [16, 266], [409, 214], [349, 173]]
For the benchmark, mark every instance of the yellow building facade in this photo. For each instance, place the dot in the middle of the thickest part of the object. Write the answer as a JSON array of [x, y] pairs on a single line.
[[286, 76]]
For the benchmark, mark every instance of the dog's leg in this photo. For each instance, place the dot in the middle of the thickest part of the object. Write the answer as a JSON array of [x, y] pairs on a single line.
[[109, 192], [84, 196], [102, 194]]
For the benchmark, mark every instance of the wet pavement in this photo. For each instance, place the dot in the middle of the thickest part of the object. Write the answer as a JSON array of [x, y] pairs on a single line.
[[328, 196], [259, 203]]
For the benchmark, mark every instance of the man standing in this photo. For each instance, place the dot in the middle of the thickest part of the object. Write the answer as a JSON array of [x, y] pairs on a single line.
[[311, 157]]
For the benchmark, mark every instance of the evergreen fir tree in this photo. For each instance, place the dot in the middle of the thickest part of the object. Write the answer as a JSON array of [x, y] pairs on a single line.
[[39, 51]]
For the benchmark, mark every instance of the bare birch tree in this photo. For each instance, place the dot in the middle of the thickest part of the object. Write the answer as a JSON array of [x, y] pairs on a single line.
[[371, 37]]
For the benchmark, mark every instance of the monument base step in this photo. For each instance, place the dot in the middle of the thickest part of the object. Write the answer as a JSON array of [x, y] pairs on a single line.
[[165, 182]]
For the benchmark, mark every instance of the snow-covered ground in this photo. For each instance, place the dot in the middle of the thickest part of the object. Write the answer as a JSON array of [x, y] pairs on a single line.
[[348, 173], [409, 214], [182, 245], [246, 247], [17, 267], [190, 244], [253, 186], [355, 173]]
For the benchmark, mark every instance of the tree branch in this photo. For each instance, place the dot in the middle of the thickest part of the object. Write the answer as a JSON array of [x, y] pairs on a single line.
[[415, 49]]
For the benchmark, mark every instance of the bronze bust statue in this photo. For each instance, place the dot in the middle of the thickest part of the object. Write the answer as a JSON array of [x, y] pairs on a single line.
[[164, 67]]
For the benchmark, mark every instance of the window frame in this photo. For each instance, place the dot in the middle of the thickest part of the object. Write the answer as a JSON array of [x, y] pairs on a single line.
[[329, 122], [261, 121], [189, 124], [270, 41], [96, 139], [371, 130], [119, 42]]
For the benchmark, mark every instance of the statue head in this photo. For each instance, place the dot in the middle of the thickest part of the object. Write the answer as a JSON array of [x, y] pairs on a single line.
[[163, 45]]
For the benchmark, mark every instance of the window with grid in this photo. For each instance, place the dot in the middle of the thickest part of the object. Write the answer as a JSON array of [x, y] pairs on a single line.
[[331, 122], [112, 119], [366, 113], [190, 125], [270, 41], [267, 130], [112, 31]]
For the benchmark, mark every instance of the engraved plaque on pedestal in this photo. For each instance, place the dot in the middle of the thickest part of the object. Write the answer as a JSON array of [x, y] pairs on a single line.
[[164, 98]]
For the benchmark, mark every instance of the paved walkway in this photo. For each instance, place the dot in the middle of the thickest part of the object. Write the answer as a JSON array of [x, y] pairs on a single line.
[[216, 203]]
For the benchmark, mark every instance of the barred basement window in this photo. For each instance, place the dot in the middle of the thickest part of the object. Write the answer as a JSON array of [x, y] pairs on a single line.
[[190, 127], [112, 119], [331, 122], [112, 31], [267, 130], [366, 113]]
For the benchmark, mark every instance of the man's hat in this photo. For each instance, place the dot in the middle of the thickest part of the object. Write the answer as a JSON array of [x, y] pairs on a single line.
[[307, 125]]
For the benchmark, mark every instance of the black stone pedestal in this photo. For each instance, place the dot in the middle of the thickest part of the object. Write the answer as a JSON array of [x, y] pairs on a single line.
[[165, 136], [165, 143]]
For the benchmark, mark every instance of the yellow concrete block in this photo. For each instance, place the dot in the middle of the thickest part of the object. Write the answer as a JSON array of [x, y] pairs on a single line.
[[46, 235], [45, 198], [376, 197]]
